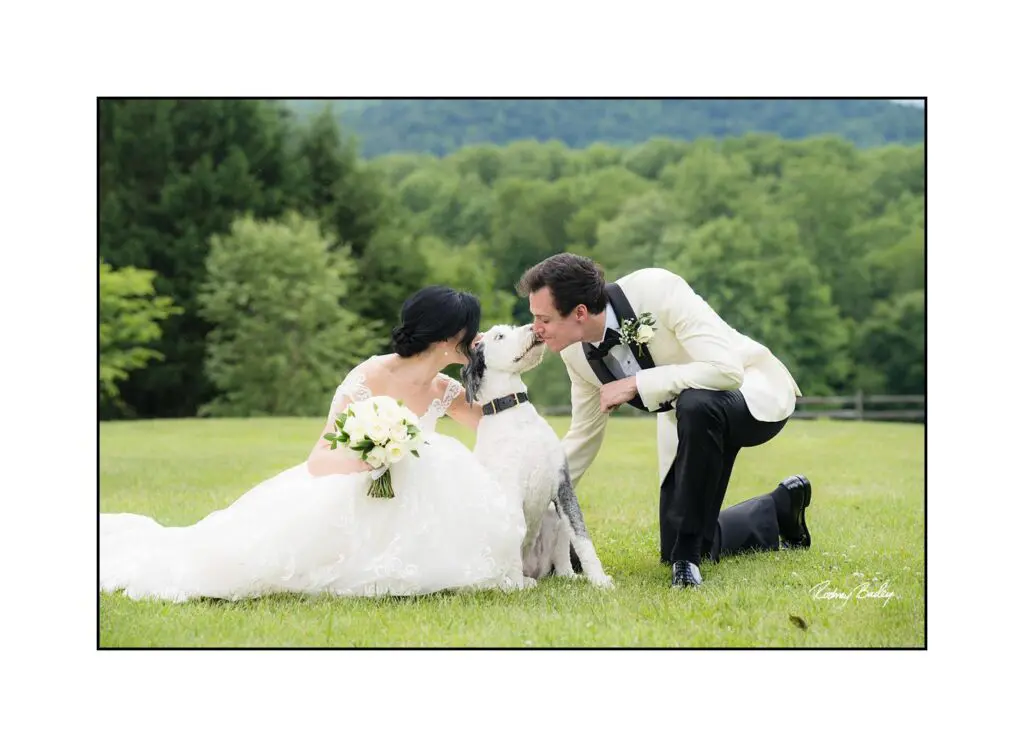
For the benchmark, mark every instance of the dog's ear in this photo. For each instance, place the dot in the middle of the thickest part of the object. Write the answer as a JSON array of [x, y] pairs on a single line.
[[473, 372]]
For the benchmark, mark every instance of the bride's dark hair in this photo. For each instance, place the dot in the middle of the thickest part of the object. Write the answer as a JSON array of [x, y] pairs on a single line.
[[434, 314]]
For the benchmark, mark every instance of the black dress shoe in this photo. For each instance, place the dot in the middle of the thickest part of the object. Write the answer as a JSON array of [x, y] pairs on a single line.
[[685, 573], [792, 517]]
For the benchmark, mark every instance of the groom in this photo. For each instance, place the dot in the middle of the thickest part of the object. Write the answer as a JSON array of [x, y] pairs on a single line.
[[648, 340]]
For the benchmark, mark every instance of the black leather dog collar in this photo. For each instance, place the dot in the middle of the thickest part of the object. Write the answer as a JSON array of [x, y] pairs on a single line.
[[504, 403]]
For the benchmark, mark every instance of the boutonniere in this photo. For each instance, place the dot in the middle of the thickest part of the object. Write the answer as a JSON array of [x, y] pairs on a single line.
[[639, 330]]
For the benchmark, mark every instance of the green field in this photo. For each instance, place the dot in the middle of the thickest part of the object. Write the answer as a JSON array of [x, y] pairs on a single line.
[[866, 519]]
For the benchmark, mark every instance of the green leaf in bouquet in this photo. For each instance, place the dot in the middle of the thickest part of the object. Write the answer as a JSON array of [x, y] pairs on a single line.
[[415, 453]]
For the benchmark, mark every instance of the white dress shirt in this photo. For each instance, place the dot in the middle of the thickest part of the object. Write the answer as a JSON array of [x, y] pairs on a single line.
[[623, 363]]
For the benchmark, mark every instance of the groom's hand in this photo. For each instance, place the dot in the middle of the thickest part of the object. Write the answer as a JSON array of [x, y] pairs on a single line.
[[617, 393]]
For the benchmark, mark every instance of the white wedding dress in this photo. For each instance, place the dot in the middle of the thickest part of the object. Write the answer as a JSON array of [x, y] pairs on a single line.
[[449, 526]]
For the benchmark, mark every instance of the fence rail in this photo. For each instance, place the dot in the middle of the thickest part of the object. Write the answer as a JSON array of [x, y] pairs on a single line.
[[862, 406], [857, 406]]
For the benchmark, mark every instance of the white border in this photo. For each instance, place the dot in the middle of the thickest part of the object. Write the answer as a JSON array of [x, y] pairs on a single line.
[[63, 59]]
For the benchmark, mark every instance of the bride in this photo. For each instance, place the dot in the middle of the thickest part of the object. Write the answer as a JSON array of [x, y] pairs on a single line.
[[312, 528]]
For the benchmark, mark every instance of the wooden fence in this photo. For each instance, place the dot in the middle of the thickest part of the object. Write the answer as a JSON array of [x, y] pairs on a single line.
[[859, 406], [862, 406]]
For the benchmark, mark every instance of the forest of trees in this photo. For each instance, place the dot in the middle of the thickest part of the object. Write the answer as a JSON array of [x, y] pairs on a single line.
[[442, 126], [249, 255]]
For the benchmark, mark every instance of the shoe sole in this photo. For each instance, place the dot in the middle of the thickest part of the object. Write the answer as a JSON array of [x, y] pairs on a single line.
[[803, 519], [807, 485], [804, 483], [805, 541]]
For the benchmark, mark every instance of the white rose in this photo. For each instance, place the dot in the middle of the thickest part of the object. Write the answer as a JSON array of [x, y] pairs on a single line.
[[387, 408], [395, 452], [399, 433], [378, 431], [377, 457], [644, 334], [416, 442], [354, 429], [361, 410]]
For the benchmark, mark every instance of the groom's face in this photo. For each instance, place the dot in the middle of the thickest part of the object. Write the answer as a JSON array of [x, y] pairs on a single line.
[[557, 331]]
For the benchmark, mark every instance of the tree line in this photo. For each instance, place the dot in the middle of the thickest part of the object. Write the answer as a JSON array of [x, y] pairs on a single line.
[[250, 256]]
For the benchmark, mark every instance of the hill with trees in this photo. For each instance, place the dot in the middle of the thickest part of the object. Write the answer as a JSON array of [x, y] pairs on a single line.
[[442, 126]]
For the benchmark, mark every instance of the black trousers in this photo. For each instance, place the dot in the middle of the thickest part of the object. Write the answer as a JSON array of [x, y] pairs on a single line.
[[713, 427]]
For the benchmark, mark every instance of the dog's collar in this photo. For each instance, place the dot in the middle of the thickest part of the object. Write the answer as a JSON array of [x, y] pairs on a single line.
[[504, 403]]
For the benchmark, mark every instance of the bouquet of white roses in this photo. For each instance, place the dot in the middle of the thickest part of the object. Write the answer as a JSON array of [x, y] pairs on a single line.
[[382, 431]]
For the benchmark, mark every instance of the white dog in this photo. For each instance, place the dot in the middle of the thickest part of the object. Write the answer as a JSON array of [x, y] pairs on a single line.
[[523, 452]]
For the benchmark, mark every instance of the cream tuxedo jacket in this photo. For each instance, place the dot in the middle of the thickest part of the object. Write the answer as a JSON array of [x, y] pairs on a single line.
[[693, 348]]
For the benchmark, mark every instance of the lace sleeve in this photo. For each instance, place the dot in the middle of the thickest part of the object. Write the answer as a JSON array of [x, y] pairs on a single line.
[[453, 390], [354, 387]]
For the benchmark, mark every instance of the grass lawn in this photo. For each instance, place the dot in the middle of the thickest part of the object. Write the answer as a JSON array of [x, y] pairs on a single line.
[[866, 520]]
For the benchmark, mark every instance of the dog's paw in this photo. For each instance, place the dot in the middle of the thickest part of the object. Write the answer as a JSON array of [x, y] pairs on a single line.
[[511, 586], [602, 582]]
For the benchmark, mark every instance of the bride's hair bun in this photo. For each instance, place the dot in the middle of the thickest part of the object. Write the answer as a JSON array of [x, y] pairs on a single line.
[[405, 341], [435, 314]]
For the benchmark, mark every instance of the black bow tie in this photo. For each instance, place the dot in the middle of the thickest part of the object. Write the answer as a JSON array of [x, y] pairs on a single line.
[[611, 339]]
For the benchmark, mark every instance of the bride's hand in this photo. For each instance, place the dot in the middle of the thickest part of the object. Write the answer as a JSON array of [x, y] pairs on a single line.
[[349, 465], [326, 461]]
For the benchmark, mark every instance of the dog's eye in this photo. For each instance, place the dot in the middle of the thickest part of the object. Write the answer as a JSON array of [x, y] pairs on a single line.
[[499, 337]]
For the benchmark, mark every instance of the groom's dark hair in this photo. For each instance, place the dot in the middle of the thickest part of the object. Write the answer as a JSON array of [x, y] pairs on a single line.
[[572, 280]]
